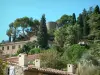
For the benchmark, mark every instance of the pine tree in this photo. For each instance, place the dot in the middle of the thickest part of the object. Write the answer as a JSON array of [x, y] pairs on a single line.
[[42, 34], [73, 19], [97, 10]]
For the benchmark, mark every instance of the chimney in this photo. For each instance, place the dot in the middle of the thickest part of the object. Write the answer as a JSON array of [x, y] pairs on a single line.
[[23, 61], [70, 69], [37, 63]]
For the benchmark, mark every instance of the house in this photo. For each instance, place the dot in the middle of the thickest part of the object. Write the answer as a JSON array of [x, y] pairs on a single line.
[[12, 47], [21, 66]]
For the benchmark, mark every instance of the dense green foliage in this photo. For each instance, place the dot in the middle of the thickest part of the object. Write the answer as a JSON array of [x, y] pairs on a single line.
[[29, 48], [73, 53], [34, 51], [51, 58], [67, 36], [42, 37]]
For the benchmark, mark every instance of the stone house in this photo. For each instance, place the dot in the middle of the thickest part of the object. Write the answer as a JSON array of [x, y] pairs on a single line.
[[12, 47], [30, 65]]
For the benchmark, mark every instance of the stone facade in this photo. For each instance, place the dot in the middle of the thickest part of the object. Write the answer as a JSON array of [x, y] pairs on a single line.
[[12, 47], [19, 70], [51, 25], [14, 70]]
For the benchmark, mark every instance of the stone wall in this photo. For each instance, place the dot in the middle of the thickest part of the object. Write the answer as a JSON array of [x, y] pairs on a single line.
[[51, 25], [19, 70], [12, 47]]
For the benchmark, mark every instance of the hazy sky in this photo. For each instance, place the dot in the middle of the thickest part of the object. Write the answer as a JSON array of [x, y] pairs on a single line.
[[53, 9]]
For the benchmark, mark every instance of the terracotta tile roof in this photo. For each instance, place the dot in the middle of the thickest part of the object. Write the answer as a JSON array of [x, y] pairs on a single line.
[[15, 59], [33, 57], [32, 68], [12, 60], [47, 70]]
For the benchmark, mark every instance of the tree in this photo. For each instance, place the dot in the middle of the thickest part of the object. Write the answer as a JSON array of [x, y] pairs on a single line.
[[64, 20], [97, 10], [23, 28], [9, 33], [27, 47], [15, 26], [67, 35], [60, 36], [24, 24], [54, 62], [94, 23], [85, 24], [42, 34], [35, 26], [73, 19], [80, 22], [73, 53], [90, 11], [95, 50]]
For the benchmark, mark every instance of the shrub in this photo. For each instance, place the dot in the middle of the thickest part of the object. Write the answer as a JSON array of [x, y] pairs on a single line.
[[51, 58], [73, 53], [34, 51]]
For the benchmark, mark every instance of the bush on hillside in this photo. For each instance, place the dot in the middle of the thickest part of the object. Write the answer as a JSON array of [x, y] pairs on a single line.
[[34, 51]]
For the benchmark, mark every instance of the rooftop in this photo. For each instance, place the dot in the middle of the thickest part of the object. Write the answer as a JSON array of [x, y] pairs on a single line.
[[47, 70], [15, 59]]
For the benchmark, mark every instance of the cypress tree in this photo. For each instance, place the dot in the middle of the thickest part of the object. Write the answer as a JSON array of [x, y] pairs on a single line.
[[73, 19], [42, 37], [97, 10], [85, 24], [86, 28], [80, 22]]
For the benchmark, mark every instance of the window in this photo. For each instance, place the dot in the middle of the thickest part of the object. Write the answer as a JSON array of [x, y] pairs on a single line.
[[8, 70], [2, 48], [7, 47], [19, 46], [19, 55], [69, 65], [13, 47]]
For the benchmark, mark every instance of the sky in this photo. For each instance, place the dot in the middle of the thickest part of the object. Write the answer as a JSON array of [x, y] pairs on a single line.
[[53, 10]]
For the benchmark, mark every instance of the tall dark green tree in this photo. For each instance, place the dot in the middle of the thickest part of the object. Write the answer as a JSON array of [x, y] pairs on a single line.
[[86, 28], [94, 23], [80, 22], [42, 34], [97, 10], [73, 18], [85, 24], [90, 11]]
